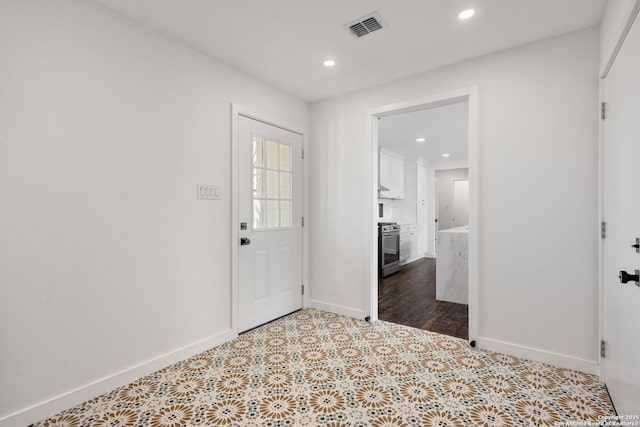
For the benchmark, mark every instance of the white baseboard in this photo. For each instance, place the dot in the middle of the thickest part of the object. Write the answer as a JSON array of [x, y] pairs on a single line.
[[555, 359], [81, 394], [338, 309], [413, 258], [430, 255]]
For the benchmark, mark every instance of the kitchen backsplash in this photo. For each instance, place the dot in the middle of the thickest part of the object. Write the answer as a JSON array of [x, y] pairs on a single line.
[[387, 209]]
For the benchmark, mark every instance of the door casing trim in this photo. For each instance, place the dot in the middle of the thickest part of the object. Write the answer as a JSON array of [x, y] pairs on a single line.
[[632, 15], [470, 94], [234, 243]]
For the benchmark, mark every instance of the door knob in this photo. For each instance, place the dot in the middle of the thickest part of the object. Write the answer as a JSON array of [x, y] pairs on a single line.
[[244, 241], [626, 277]]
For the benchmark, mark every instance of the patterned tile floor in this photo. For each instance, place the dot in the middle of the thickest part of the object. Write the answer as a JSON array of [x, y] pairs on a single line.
[[314, 368]]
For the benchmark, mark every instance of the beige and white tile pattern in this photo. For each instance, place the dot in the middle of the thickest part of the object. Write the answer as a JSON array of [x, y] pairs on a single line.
[[314, 368]]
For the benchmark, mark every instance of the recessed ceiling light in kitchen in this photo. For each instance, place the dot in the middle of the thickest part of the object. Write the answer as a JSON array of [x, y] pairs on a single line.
[[446, 155], [421, 139], [466, 14], [329, 63]]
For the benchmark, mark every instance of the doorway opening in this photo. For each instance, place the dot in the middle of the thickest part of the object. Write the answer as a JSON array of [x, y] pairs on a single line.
[[425, 216]]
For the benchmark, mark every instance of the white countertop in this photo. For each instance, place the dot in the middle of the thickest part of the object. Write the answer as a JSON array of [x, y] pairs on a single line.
[[463, 229]]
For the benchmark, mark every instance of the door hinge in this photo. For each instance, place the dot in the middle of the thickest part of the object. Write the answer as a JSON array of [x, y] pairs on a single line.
[[603, 229], [603, 349], [302, 221], [302, 289], [603, 110], [303, 154]]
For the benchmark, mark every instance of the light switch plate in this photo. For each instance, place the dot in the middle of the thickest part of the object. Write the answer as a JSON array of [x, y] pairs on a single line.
[[208, 192]]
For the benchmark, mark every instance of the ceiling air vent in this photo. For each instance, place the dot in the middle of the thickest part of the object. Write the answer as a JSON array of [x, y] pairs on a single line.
[[365, 25]]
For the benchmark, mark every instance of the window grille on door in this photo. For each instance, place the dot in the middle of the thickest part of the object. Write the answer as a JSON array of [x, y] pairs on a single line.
[[272, 191]]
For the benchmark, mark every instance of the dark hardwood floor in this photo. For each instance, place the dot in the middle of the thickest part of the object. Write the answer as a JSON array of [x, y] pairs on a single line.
[[408, 297]]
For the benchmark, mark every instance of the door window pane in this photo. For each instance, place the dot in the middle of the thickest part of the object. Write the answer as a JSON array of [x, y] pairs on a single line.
[[285, 157], [272, 155], [258, 183], [272, 185], [285, 213], [285, 185], [258, 156], [272, 213], [258, 214]]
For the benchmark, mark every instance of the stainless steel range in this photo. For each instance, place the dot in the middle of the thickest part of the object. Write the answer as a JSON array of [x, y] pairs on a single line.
[[388, 248]]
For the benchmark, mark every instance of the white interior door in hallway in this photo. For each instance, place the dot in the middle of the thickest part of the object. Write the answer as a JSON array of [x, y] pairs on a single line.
[[621, 302], [270, 213], [460, 203]]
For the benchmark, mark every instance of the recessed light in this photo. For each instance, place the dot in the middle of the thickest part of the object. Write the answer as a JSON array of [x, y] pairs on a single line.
[[466, 14], [421, 139], [329, 63], [446, 155]]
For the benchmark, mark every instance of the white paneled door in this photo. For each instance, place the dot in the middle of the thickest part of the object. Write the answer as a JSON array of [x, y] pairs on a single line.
[[270, 214], [460, 203], [621, 301]]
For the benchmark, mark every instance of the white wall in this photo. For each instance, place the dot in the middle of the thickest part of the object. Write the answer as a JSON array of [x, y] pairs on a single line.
[[538, 180], [445, 194], [107, 258]]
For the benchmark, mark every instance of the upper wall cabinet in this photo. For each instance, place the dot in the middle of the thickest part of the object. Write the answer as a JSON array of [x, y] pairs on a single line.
[[390, 175]]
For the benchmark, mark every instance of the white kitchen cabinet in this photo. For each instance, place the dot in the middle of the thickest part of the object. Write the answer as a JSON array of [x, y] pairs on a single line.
[[391, 175], [408, 243]]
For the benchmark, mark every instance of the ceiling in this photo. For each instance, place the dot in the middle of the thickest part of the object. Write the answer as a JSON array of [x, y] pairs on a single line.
[[445, 129], [284, 42]]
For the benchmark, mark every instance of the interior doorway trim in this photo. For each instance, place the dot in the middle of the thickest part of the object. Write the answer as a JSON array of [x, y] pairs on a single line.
[[234, 244], [469, 94], [631, 17]]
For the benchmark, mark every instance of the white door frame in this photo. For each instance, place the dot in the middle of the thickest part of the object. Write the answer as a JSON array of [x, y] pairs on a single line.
[[624, 31], [421, 163], [236, 112], [436, 213], [469, 94], [453, 200]]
